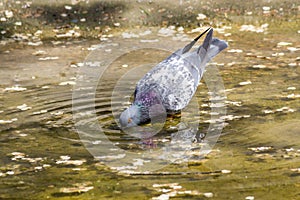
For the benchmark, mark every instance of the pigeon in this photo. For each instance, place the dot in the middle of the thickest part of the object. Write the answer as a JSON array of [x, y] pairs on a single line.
[[170, 85]]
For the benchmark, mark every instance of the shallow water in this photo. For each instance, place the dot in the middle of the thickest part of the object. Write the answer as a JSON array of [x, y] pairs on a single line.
[[43, 156]]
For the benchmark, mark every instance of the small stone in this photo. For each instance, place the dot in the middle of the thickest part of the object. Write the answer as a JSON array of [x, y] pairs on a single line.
[[249, 198]]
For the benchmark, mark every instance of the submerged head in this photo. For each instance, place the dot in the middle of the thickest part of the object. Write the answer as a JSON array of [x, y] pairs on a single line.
[[132, 116]]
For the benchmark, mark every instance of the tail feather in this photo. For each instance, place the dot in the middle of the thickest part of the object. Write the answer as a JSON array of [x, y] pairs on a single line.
[[190, 45]]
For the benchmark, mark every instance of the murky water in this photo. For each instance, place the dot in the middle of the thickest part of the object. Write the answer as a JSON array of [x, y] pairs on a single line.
[[42, 155]]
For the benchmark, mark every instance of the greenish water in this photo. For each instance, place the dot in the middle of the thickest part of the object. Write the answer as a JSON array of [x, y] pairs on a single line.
[[257, 155]]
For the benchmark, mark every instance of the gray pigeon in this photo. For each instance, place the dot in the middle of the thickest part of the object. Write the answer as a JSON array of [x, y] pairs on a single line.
[[171, 84]]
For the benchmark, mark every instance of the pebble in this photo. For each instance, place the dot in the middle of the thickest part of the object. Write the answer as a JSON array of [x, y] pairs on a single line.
[[249, 198]]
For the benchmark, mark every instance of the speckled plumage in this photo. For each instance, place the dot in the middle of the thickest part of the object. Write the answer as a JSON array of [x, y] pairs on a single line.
[[173, 82]]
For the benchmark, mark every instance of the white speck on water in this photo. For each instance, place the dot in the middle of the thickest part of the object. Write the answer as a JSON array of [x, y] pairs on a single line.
[[201, 16], [8, 14], [235, 51], [23, 134], [10, 172], [39, 112], [126, 35], [117, 24], [284, 44], [293, 96], [268, 111], [65, 157], [245, 83], [149, 41], [225, 171], [249, 198], [266, 8], [259, 66], [260, 149], [38, 43], [293, 49], [278, 54], [39, 53], [208, 194], [24, 107], [166, 32], [15, 88], [292, 64], [18, 23], [162, 197], [147, 32], [67, 83], [252, 28], [49, 58], [291, 88], [68, 7], [38, 168]]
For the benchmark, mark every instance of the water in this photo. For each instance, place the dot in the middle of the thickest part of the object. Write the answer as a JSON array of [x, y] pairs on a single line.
[[42, 156]]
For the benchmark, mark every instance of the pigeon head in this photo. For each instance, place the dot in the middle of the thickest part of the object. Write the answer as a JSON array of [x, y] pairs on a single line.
[[133, 116]]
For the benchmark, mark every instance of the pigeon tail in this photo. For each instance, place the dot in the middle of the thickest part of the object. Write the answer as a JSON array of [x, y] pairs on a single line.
[[190, 45]]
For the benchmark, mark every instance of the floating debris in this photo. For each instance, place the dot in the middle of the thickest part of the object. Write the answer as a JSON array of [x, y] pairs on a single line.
[[147, 32], [235, 51], [284, 43], [15, 88], [49, 58], [8, 14], [77, 188], [149, 41], [208, 194], [245, 83], [166, 32], [201, 16], [291, 88], [24, 107], [293, 96], [69, 34], [126, 35], [259, 66], [225, 171], [39, 53], [293, 49], [8, 121], [68, 7], [40, 112], [260, 149], [252, 28], [278, 54], [67, 83], [292, 64], [66, 161]]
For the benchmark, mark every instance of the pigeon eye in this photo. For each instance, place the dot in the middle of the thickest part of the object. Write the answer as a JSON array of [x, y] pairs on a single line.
[[129, 120]]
